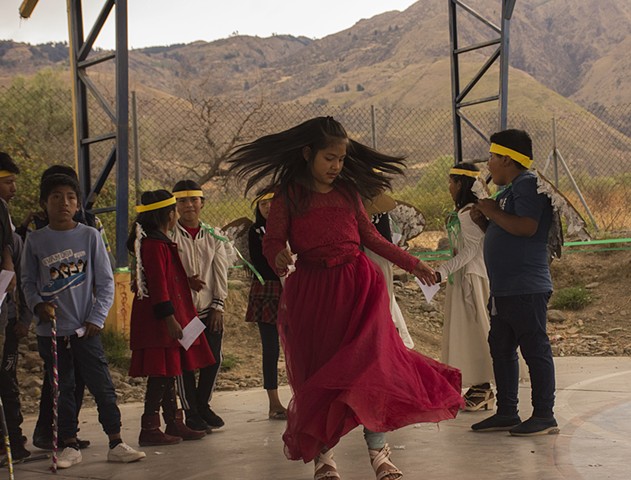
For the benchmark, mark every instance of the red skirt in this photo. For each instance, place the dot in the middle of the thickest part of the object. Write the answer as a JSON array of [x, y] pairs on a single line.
[[169, 362], [346, 363]]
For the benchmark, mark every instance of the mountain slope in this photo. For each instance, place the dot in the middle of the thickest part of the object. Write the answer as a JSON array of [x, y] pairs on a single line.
[[577, 48]]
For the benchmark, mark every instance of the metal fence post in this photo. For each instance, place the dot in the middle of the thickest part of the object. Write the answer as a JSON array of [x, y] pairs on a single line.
[[555, 159], [372, 127], [134, 119]]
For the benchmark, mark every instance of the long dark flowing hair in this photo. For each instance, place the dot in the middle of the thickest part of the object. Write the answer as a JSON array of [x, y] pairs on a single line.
[[278, 161]]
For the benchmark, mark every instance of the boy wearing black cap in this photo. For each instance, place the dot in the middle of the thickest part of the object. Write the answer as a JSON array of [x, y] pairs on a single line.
[[515, 253]]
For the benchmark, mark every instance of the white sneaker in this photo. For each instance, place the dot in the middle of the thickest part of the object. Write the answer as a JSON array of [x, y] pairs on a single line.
[[123, 453], [69, 457]]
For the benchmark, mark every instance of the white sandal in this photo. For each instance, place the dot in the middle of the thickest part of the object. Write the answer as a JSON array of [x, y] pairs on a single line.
[[378, 458], [325, 458]]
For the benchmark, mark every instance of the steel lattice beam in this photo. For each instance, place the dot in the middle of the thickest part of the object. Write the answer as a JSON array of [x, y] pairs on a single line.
[[459, 100], [80, 61]]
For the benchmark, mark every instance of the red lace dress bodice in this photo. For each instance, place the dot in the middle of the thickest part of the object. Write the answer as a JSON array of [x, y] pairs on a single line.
[[329, 232]]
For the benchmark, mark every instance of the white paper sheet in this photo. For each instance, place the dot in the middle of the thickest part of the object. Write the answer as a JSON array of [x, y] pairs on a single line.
[[191, 332], [5, 279], [428, 290]]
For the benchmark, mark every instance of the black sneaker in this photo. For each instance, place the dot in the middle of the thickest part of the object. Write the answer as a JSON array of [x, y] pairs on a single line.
[[42, 442], [83, 444], [196, 422], [536, 426], [212, 419], [497, 423], [46, 443], [18, 452]]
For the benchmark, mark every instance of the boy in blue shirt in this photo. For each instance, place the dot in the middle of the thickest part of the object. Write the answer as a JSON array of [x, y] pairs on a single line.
[[66, 275], [516, 257]]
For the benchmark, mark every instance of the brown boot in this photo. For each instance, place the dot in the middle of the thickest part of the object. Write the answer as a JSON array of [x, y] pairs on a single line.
[[151, 435], [175, 426]]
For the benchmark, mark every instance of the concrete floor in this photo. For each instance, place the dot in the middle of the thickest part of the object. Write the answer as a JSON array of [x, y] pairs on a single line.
[[593, 410]]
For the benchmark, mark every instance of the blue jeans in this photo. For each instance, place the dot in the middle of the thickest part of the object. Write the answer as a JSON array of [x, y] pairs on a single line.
[[88, 355], [520, 321]]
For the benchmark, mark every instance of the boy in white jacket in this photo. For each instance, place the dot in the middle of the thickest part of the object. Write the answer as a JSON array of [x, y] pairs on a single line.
[[206, 262]]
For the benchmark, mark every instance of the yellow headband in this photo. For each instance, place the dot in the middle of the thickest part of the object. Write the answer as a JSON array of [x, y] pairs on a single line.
[[520, 158], [267, 196], [189, 193], [155, 206], [5, 173], [462, 171]]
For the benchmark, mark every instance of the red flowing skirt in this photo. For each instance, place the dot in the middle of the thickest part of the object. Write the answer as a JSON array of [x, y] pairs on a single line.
[[169, 362], [346, 363]]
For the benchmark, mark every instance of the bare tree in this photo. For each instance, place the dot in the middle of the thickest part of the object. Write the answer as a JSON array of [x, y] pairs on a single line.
[[218, 138]]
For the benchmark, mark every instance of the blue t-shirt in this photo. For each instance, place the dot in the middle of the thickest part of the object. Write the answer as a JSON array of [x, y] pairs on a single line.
[[519, 265], [71, 269]]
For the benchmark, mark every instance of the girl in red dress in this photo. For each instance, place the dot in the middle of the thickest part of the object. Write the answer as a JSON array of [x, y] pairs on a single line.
[[346, 364], [162, 307]]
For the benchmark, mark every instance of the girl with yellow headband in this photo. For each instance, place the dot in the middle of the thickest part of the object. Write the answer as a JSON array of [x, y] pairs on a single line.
[[263, 302], [162, 307], [466, 324]]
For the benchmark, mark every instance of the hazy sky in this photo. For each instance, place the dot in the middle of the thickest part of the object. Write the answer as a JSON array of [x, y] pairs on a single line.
[[165, 22]]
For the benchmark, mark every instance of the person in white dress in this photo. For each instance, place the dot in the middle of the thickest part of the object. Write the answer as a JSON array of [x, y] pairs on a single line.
[[466, 324]]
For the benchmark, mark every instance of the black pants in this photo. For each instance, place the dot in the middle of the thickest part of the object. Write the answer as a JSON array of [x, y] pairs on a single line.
[[520, 321], [197, 395], [161, 393], [9, 389], [44, 425], [85, 355], [271, 352]]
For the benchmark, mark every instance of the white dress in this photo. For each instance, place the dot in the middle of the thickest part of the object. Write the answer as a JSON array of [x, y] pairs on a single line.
[[395, 311], [466, 325]]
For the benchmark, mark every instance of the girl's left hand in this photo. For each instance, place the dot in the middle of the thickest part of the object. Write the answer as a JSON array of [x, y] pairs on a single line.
[[283, 260], [424, 273], [174, 328]]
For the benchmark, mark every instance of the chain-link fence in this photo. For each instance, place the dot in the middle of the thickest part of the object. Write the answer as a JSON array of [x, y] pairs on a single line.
[[180, 139]]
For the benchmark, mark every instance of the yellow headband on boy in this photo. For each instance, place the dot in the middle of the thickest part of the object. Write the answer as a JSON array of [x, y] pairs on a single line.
[[520, 158], [156, 205], [5, 173], [189, 193], [267, 196], [462, 171]]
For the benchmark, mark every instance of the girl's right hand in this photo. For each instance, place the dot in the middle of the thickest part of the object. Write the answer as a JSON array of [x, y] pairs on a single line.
[[283, 260], [175, 331], [424, 273]]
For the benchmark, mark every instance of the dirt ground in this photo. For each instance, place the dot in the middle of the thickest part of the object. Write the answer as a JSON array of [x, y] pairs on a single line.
[[602, 328]]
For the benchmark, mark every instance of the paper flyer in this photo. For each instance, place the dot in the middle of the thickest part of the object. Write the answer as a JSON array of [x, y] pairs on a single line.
[[191, 332]]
